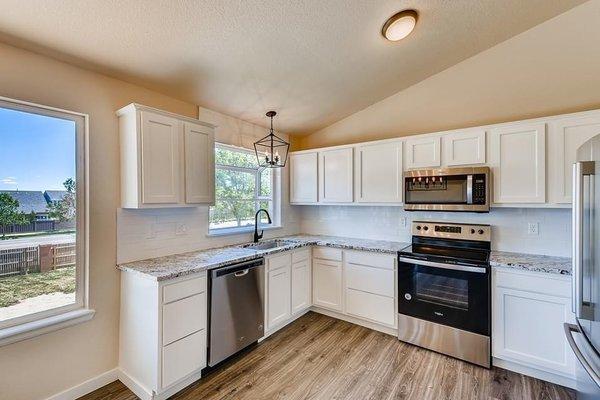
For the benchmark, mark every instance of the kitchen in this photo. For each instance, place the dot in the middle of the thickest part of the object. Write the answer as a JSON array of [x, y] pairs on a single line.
[[379, 256]]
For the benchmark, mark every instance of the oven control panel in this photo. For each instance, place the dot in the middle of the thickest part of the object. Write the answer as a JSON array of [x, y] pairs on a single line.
[[449, 230]]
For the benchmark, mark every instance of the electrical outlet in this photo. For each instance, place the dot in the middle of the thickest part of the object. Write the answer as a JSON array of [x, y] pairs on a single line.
[[181, 229], [403, 222], [533, 228]]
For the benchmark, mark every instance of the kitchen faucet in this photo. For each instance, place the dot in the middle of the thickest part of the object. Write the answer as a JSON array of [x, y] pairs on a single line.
[[258, 236]]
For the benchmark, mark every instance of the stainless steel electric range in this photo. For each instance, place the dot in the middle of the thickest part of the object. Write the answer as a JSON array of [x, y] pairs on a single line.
[[444, 290]]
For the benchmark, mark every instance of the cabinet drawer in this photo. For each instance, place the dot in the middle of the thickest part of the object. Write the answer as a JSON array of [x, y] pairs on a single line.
[[180, 318], [179, 290], [377, 260], [370, 306], [327, 253], [300, 255], [369, 279], [537, 282], [279, 261], [183, 357]]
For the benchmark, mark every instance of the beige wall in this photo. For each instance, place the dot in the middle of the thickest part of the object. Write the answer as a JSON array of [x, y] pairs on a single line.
[[551, 69], [42, 366]]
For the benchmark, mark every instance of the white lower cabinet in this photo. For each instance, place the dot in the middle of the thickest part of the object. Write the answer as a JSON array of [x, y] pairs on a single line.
[[162, 333], [279, 290], [327, 283], [287, 287], [529, 310], [370, 286]]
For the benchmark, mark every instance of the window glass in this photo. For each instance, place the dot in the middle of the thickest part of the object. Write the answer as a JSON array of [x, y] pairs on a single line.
[[40, 260], [241, 188]]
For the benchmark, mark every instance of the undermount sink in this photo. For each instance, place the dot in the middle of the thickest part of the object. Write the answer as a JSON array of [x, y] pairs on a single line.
[[266, 245]]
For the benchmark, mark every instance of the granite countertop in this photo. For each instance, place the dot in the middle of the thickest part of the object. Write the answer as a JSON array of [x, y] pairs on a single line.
[[173, 266], [169, 267], [531, 262]]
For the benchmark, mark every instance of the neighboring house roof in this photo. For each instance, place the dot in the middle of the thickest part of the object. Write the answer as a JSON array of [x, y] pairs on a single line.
[[52, 196], [29, 200]]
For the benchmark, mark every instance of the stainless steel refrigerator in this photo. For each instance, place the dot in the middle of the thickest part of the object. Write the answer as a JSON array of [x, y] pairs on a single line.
[[584, 336]]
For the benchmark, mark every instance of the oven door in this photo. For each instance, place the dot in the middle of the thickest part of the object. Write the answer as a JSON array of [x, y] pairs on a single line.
[[449, 294]]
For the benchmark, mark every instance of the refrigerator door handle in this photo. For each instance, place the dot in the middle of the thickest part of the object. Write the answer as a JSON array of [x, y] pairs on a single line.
[[580, 171], [569, 329]]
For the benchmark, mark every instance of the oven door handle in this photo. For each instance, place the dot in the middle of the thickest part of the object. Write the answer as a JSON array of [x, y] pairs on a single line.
[[466, 268]]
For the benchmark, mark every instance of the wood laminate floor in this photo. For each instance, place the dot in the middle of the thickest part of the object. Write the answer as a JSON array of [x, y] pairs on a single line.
[[318, 357]]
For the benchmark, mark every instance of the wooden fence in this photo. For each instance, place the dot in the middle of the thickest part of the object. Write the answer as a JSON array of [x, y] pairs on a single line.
[[19, 261], [24, 260]]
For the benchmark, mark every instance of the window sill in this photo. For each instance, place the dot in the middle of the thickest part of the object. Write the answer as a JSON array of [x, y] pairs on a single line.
[[240, 231], [31, 329]]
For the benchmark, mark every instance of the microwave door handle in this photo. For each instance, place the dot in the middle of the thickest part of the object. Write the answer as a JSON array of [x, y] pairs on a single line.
[[580, 171], [469, 189]]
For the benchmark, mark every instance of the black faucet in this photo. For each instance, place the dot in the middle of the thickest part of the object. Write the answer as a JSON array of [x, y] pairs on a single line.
[[256, 235]]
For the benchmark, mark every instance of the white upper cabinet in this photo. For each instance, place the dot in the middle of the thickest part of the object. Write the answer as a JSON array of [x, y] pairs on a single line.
[[167, 160], [161, 158], [335, 175], [423, 152], [464, 148], [303, 178], [378, 172], [518, 162], [565, 136], [199, 144]]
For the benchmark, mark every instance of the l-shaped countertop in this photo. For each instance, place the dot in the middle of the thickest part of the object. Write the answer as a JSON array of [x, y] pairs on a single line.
[[173, 266]]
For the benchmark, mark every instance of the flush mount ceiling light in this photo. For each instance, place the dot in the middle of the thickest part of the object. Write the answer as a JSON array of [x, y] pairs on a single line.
[[399, 25], [271, 151]]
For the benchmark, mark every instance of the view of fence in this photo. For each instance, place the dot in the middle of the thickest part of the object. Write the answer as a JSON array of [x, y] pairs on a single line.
[[24, 260]]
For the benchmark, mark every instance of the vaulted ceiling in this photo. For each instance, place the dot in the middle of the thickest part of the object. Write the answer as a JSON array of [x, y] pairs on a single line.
[[314, 61]]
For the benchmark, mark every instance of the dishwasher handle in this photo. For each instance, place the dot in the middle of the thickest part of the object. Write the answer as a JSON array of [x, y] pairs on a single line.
[[238, 269]]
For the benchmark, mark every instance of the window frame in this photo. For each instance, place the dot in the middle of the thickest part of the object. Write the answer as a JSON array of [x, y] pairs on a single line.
[[275, 197], [25, 326]]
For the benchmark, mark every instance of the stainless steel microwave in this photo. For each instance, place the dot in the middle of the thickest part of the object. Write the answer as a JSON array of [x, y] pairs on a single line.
[[448, 189]]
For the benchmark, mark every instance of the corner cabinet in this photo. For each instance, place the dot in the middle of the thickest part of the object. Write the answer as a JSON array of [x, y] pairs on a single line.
[[303, 177], [167, 160], [518, 162]]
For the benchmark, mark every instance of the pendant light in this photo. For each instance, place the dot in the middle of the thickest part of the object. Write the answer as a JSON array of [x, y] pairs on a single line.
[[271, 151]]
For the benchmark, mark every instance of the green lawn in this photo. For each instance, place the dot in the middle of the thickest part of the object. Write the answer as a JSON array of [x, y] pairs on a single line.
[[19, 287]]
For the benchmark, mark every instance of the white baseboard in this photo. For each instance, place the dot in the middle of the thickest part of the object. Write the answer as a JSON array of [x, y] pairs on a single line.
[[87, 387], [357, 321], [137, 388], [535, 373]]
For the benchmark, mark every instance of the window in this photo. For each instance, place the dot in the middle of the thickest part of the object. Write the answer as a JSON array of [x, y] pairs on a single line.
[[241, 188], [42, 215]]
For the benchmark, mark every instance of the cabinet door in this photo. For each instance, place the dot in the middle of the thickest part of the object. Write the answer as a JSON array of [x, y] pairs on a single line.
[[161, 159], [378, 171], [464, 148], [423, 152], [565, 137], [278, 296], [327, 284], [300, 286], [303, 178], [199, 163], [518, 163], [528, 328], [335, 176]]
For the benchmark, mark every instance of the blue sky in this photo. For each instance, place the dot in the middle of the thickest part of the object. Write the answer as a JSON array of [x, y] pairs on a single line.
[[36, 152]]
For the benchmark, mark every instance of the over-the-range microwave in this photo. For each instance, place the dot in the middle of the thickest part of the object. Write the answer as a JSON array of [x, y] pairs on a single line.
[[448, 189]]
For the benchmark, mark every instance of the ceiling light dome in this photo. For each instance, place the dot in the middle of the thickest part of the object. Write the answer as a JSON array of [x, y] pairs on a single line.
[[399, 25]]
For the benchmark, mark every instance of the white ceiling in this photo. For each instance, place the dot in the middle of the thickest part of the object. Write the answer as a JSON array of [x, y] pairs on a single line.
[[314, 61]]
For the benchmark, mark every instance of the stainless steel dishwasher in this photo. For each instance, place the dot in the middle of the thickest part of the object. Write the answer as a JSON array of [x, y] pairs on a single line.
[[236, 314]]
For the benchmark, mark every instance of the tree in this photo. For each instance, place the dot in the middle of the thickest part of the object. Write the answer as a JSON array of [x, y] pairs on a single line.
[[9, 212], [65, 208]]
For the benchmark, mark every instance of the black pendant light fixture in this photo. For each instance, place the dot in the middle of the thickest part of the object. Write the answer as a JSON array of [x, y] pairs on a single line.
[[271, 151]]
